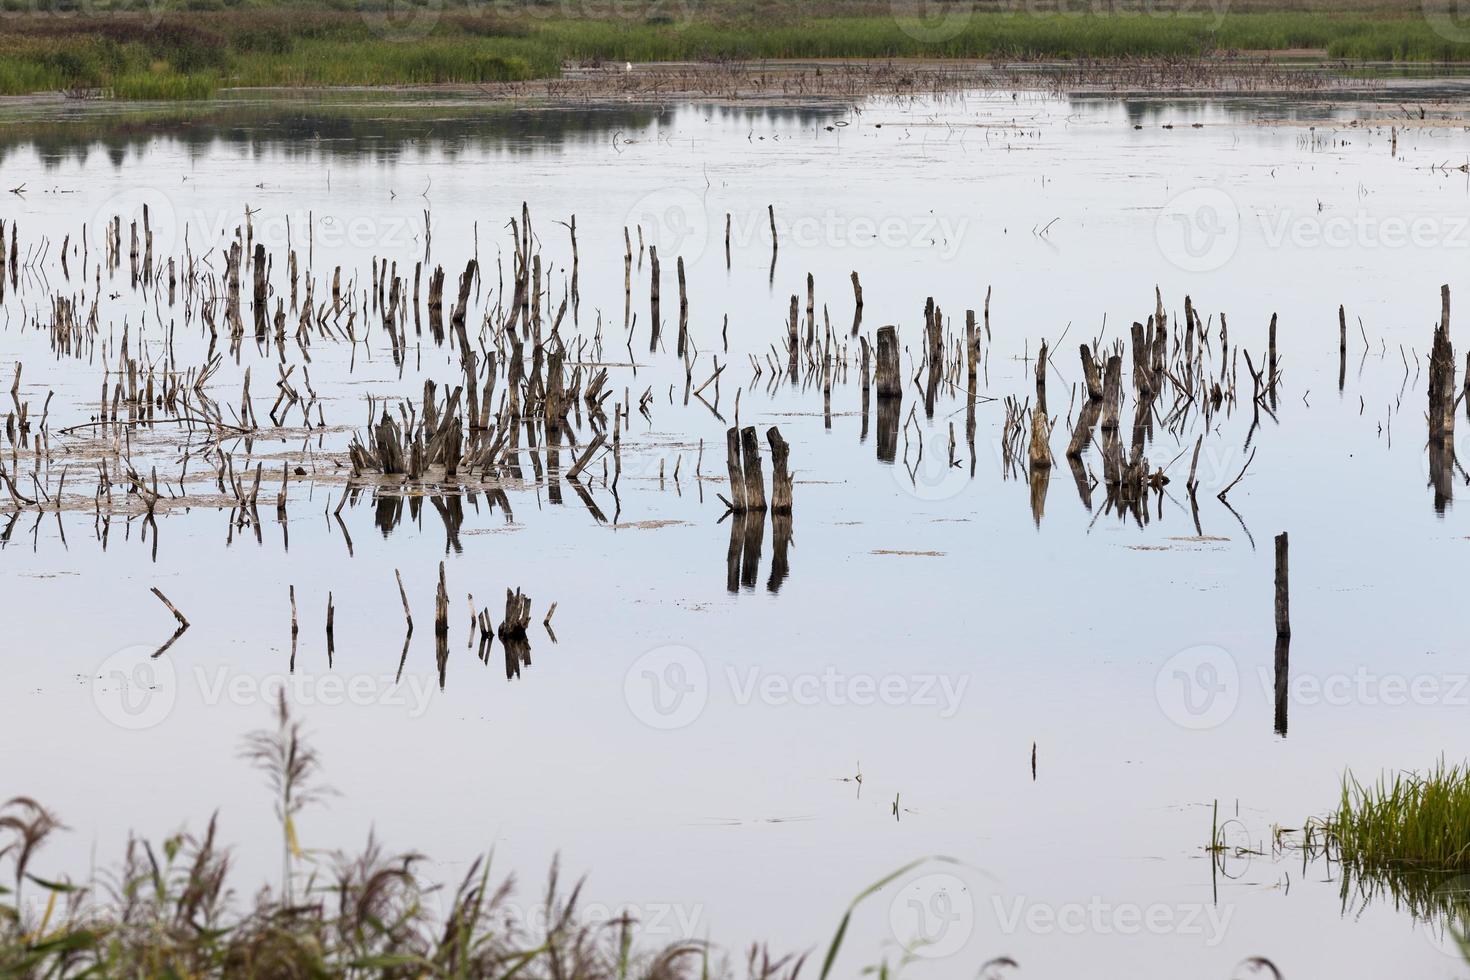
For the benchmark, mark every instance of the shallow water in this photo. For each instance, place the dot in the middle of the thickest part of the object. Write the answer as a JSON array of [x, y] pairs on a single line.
[[691, 746]]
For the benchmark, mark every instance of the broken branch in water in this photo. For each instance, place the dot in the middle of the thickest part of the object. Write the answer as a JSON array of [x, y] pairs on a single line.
[[1222, 494], [171, 608]]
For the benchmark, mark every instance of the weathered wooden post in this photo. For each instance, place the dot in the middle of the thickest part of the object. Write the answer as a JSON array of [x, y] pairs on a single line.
[[653, 298], [890, 385], [1283, 611], [683, 311], [737, 470], [755, 482], [780, 474]]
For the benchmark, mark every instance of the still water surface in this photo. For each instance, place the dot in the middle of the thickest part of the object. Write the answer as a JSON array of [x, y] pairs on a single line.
[[691, 746]]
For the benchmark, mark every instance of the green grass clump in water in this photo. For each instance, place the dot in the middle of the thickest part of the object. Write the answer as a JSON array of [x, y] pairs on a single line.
[[1408, 821], [148, 87]]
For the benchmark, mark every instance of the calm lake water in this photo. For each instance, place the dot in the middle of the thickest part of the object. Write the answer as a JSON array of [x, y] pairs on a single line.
[[692, 747]]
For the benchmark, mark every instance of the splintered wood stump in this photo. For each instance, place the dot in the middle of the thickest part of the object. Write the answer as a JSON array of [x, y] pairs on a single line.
[[1112, 393], [461, 305], [755, 483], [780, 473], [683, 311], [737, 470], [390, 445], [1283, 609], [1040, 454], [259, 298], [1091, 374], [517, 616], [1442, 376], [1142, 359], [890, 385], [1040, 449], [972, 349], [441, 605], [653, 298]]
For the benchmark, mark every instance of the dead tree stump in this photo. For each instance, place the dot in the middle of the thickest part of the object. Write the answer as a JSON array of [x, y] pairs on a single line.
[[780, 473]]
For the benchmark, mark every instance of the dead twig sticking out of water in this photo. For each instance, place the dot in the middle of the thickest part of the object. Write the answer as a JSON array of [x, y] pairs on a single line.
[[183, 623]]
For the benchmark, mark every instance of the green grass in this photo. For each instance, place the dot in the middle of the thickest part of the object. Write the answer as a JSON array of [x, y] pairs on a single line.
[[192, 49], [1417, 821]]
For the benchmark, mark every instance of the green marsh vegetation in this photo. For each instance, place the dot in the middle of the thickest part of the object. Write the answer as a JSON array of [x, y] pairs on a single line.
[[1402, 839], [183, 49], [1405, 838], [1406, 821]]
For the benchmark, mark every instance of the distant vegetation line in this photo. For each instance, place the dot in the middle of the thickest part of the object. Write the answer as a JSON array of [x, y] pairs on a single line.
[[181, 52]]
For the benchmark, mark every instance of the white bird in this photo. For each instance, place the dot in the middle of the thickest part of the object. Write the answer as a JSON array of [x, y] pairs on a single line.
[[628, 66]]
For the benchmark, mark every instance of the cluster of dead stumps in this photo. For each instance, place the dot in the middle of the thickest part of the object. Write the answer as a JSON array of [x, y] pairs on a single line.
[[482, 630], [531, 406], [747, 506]]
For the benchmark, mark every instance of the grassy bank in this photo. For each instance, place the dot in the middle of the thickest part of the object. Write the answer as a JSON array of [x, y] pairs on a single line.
[[188, 53]]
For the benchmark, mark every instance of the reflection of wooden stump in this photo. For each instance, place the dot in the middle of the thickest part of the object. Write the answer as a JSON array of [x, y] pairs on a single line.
[[780, 543], [1082, 430], [1283, 673], [1040, 480], [441, 655], [1442, 473], [517, 655], [888, 413], [1079, 475], [743, 558]]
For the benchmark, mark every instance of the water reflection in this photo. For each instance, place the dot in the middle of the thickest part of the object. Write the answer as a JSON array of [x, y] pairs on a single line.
[[342, 127]]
